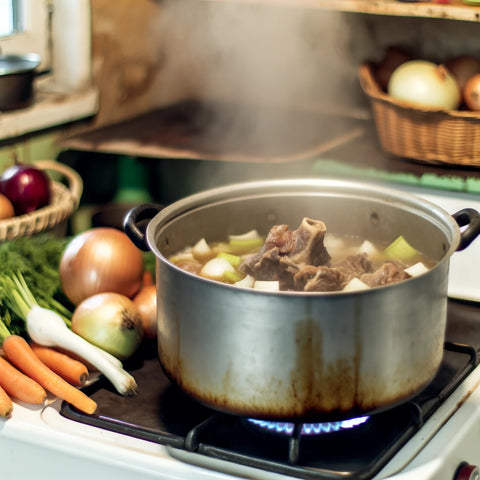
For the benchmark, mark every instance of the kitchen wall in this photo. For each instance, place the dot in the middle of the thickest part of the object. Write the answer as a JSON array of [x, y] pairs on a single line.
[[152, 52], [148, 53]]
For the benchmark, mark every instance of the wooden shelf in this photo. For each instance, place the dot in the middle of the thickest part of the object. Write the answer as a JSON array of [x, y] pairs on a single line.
[[455, 10]]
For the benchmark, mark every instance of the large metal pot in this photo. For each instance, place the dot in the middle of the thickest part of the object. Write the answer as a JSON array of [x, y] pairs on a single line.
[[293, 355]]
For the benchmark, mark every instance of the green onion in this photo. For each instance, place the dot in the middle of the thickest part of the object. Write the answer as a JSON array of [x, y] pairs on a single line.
[[233, 277], [243, 246], [400, 249], [233, 260]]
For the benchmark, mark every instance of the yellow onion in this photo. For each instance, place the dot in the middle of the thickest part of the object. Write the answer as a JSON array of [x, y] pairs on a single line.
[[100, 260], [472, 93], [424, 83], [463, 68], [146, 302], [111, 322], [6, 208]]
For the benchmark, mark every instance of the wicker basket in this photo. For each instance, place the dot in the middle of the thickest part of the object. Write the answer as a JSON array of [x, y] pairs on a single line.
[[428, 135], [52, 218]]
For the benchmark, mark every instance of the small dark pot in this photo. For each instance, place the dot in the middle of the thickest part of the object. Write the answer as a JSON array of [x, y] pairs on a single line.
[[16, 80]]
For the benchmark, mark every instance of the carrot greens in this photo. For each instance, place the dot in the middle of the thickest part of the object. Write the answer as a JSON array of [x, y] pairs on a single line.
[[36, 259]]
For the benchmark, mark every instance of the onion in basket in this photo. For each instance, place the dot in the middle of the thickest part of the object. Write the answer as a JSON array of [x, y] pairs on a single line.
[[472, 93], [424, 83]]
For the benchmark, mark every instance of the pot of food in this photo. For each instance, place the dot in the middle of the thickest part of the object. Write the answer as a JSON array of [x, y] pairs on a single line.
[[17, 73], [302, 353]]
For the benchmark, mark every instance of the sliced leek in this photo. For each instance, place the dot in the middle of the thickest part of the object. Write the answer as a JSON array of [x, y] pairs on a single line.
[[400, 249]]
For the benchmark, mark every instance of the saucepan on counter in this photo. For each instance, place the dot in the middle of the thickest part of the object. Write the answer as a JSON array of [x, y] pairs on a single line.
[[17, 73], [301, 355]]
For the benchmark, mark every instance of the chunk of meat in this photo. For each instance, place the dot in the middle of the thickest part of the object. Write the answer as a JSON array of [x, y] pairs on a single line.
[[354, 266], [286, 251], [392, 271], [190, 265], [319, 279]]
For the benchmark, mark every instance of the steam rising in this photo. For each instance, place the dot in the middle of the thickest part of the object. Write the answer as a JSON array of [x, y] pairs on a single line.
[[254, 54], [267, 61]]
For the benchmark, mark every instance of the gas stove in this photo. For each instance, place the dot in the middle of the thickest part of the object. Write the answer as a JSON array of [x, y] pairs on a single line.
[[163, 434]]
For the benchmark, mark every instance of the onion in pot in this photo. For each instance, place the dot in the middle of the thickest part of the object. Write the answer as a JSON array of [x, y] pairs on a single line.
[[100, 260], [111, 322], [146, 303], [424, 83], [472, 93]]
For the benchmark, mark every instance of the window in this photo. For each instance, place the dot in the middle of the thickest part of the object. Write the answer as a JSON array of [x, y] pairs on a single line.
[[60, 32], [8, 18], [24, 28]]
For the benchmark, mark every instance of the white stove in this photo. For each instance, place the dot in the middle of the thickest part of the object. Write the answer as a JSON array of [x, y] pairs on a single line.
[[40, 442]]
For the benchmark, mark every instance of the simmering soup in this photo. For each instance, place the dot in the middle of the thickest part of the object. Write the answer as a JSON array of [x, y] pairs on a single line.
[[305, 259]]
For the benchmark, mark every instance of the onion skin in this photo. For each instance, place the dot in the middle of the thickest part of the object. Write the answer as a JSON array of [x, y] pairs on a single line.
[[472, 93], [463, 68], [6, 208], [111, 322], [424, 83], [146, 303], [27, 187], [100, 260]]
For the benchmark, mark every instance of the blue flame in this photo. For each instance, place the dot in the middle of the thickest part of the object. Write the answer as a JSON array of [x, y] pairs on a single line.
[[309, 428]]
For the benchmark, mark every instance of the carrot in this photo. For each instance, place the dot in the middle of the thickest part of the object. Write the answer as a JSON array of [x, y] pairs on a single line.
[[19, 352], [19, 386], [70, 369], [6, 404]]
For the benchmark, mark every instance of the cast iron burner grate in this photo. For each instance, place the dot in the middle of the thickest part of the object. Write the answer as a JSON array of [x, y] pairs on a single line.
[[163, 414]]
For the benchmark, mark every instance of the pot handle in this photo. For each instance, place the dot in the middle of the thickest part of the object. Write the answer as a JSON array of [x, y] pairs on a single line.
[[136, 221], [470, 218]]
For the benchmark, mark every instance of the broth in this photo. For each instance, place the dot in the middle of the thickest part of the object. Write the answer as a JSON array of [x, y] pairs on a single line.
[[306, 259]]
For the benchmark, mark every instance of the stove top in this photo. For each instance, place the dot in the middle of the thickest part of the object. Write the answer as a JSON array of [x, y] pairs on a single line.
[[163, 414]]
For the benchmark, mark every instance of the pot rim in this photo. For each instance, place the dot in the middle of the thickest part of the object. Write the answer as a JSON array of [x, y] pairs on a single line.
[[259, 188], [11, 64]]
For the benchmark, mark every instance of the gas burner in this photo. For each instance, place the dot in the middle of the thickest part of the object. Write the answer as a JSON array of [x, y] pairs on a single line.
[[287, 428]]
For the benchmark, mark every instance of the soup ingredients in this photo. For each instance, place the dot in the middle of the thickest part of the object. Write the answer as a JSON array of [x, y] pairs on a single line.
[[100, 260], [425, 83], [146, 303], [19, 386], [47, 328], [309, 260], [416, 269], [216, 268], [267, 285], [471, 93], [355, 285], [6, 405], [400, 249], [71, 370], [247, 242], [110, 321], [6, 208], [19, 353], [27, 187]]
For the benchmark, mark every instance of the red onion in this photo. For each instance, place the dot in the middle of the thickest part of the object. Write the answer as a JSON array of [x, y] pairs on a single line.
[[27, 187]]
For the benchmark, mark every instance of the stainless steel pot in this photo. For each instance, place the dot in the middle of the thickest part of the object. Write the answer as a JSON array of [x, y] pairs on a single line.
[[291, 355]]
